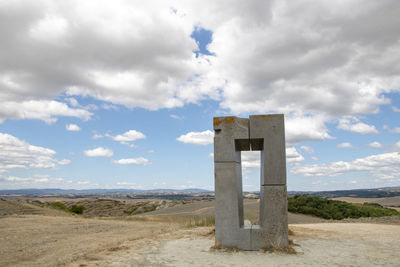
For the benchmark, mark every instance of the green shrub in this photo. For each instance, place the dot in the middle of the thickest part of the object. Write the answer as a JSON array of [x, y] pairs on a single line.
[[77, 209], [58, 206], [337, 210]]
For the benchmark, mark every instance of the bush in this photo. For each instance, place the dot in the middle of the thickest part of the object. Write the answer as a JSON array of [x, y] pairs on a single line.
[[58, 206], [77, 209], [337, 210]]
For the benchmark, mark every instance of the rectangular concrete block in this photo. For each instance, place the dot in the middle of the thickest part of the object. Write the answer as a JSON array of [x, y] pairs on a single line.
[[228, 195], [271, 129], [234, 237], [265, 239], [273, 214], [227, 130]]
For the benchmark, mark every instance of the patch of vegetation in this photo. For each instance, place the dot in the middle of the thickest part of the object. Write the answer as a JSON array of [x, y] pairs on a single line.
[[59, 206], [337, 210], [77, 209], [201, 221]]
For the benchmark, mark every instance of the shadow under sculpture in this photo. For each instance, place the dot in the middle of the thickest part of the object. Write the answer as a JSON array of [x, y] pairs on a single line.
[[265, 133]]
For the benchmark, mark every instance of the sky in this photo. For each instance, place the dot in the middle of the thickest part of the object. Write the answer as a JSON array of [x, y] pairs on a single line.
[[121, 94]]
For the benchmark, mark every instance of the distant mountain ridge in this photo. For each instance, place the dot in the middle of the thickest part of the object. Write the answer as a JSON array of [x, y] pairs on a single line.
[[363, 193], [57, 191], [366, 193]]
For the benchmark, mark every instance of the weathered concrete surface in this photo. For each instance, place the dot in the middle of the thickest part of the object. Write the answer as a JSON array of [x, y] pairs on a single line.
[[233, 135], [271, 129], [227, 130]]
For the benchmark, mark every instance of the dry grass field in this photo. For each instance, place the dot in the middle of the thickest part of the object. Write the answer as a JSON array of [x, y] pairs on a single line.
[[35, 236], [390, 202]]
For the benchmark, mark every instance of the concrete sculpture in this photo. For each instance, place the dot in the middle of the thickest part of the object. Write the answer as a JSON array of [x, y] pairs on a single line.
[[265, 133]]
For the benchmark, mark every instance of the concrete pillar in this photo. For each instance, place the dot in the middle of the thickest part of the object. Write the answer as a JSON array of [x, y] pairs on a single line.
[[233, 135]]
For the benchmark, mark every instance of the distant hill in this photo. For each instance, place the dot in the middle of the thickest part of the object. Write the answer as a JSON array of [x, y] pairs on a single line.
[[56, 191], [363, 193]]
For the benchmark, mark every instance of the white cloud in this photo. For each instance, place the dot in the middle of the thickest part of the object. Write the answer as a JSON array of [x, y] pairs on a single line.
[[292, 155], [126, 183], [345, 145], [251, 159], [176, 117], [109, 107], [129, 136], [72, 127], [72, 101], [97, 136], [17, 154], [396, 130], [381, 166], [308, 58], [198, 138], [99, 152], [352, 125], [397, 145], [307, 149], [375, 144], [300, 128], [395, 109], [14, 182], [47, 111], [64, 162], [135, 161]]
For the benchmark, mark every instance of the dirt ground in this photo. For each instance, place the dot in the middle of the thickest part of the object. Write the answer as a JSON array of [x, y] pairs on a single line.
[[39, 240]]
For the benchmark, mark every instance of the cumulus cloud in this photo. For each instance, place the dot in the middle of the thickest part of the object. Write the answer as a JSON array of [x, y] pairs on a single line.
[[251, 159], [64, 162], [381, 166], [300, 128], [198, 138], [307, 149], [345, 145], [99, 152], [141, 54], [397, 145], [18, 154], [319, 59], [97, 136], [72, 127], [292, 155], [353, 125], [134, 161], [128, 136], [375, 144], [45, 110]]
